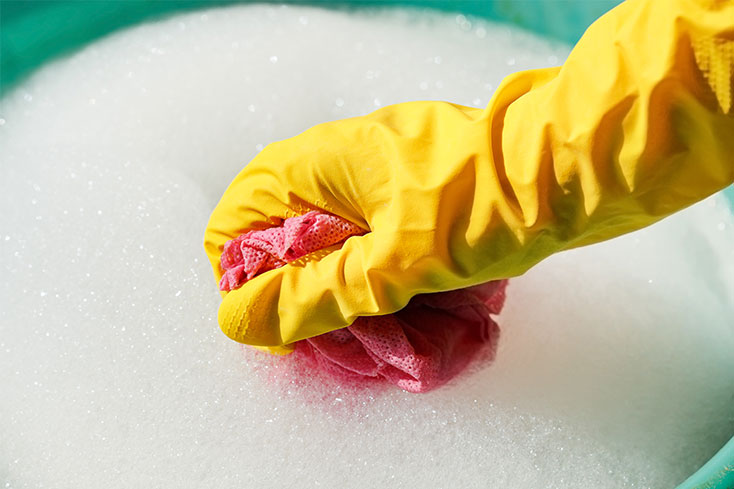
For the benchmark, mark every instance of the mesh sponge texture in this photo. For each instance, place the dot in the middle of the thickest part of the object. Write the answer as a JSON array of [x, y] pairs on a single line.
[[256, 252], [419, 348]]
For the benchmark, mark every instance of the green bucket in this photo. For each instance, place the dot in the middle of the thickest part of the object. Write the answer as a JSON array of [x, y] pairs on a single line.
[[33, 32]]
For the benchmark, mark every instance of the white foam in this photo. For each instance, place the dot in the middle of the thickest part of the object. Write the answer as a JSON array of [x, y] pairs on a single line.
[[615, 366]]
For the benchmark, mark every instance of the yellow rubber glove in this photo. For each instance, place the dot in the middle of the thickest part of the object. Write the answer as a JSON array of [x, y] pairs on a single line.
[[637, 124]]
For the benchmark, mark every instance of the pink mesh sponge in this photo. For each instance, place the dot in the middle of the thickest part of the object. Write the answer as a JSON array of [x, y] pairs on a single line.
[[419, 348]]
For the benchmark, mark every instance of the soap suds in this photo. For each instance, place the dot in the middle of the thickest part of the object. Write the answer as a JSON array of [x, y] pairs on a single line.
[[614, 369]]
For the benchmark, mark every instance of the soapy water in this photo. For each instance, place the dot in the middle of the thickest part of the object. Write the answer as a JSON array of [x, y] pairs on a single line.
[[614, 367]]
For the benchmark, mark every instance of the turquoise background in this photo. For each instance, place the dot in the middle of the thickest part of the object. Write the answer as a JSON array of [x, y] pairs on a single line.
[[33, 32]]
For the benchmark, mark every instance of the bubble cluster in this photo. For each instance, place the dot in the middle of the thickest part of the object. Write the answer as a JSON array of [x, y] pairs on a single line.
[[614, 368]]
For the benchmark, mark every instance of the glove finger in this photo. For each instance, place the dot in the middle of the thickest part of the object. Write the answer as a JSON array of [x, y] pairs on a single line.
[[369, 275], [253, 200], [284, 181]]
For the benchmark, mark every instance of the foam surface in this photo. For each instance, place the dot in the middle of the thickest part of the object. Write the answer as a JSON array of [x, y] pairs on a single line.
[[614, 369]]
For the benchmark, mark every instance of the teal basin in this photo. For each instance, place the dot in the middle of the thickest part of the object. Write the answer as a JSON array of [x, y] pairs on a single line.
[[32, 33]]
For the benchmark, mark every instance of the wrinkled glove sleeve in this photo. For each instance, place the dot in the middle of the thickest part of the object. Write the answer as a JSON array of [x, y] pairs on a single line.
[[636, 125]]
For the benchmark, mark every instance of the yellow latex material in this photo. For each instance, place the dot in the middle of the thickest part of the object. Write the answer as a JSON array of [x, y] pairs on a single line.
[[637, 124]]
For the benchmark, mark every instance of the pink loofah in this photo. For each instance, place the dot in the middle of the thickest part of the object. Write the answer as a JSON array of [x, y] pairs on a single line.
[[418, 348]]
